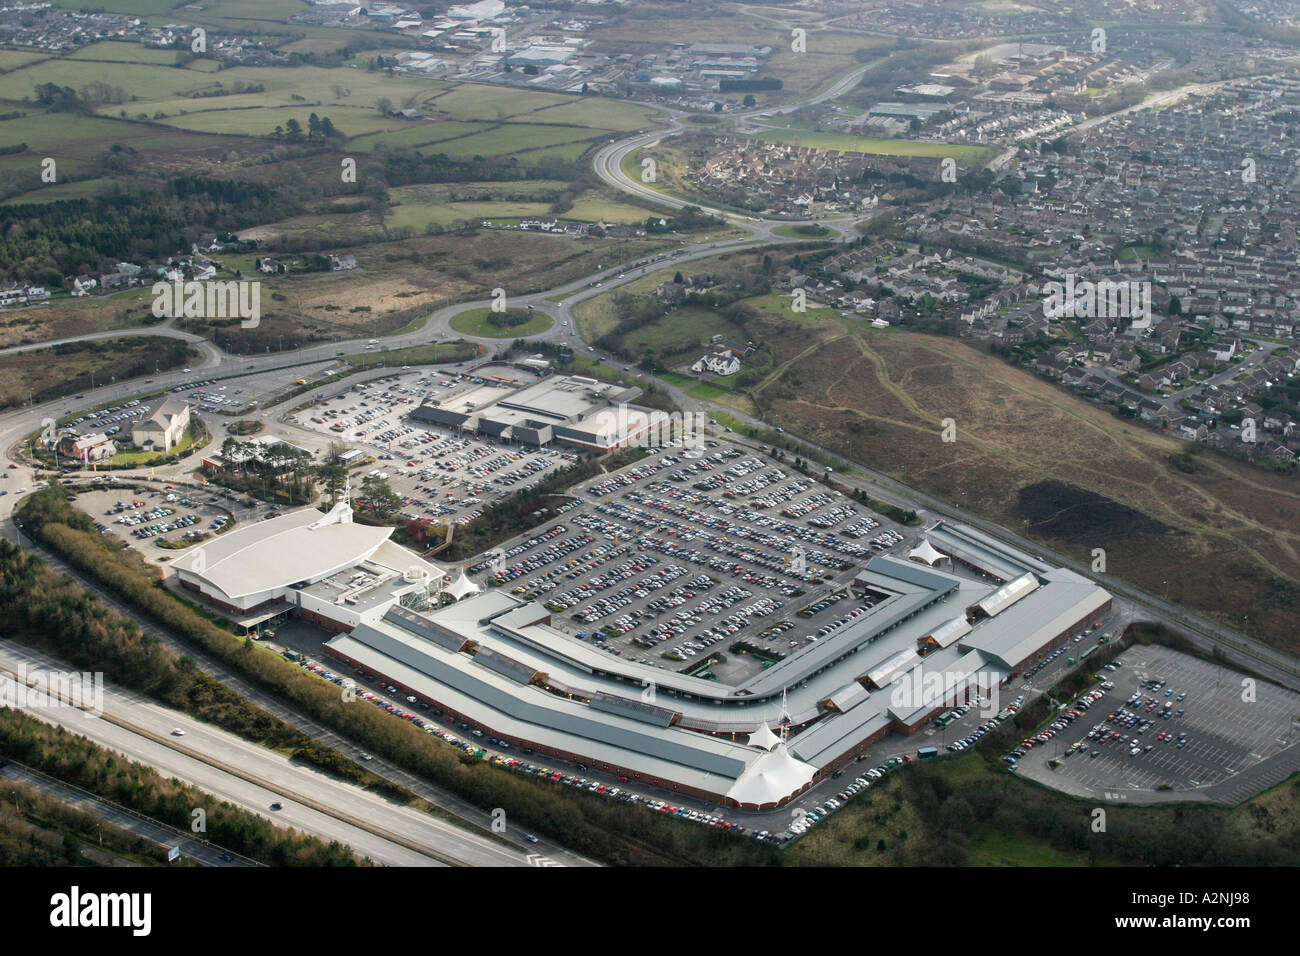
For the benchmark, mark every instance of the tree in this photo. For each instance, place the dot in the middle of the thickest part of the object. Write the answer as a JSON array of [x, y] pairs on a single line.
[[293, 128], [384, 105], [750, 101], [381, 500], [313, 127]]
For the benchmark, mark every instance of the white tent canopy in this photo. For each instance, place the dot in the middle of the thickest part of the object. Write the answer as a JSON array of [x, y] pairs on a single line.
[[772, 777], [461, 587], [926, 552], [763, 737]]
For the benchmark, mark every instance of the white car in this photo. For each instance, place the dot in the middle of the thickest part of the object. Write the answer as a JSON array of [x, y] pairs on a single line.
[[177, 732]]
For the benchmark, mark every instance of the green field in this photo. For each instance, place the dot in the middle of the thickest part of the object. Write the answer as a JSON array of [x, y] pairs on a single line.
[[461, 120], [782, 306], [706, 391], [142, 8], [795, 231], [77, 142], [475, 322], [418, 215], [12, 59], [119, 52], [517, 138], [878, 146], [57, 191], [594, 209], [681, 332], [417, 134]]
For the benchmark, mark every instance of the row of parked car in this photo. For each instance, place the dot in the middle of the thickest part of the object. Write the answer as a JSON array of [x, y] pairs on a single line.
[[805, 821], [1062, 721], [519, 765], [974, 736]]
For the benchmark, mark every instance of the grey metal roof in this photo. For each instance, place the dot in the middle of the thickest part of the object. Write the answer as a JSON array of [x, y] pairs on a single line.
[[506, 666], [1027, 625], [536, 706], [647, 764], [423, 627], [913, 573], [984, 551], [848, 696], [636, 709]]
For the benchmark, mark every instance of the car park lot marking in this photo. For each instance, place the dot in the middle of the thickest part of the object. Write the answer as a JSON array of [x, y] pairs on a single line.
[[442, 475], [1210, 736], [676, 558]]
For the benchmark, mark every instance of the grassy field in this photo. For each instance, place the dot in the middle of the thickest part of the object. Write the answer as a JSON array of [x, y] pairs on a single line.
[[434, 354], [57, 191], [417, 206], [120, 52], [461, 120], [67, 317], [595, 317], [781, 306], [77, 142], [706, 391], [1034, 458], [140, 8], [879, 146], [477, 322], [672, 378], [809, 231], [67, 369], [682, 334], [12, 59]]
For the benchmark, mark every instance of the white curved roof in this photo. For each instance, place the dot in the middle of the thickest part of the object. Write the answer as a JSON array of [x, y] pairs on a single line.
[[1008, 594], [281, 551], [926, 552], [949, 632], [772, 777]]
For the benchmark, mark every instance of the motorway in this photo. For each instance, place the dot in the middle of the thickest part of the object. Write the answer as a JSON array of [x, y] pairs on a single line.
[[407, 837], [191, 845], [253, 777]]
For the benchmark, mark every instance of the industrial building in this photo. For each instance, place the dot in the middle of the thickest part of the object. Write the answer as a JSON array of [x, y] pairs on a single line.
[[930, 639], [571, 409]]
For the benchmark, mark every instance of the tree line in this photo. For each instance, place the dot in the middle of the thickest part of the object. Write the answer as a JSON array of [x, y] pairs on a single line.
[[605, 829]]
